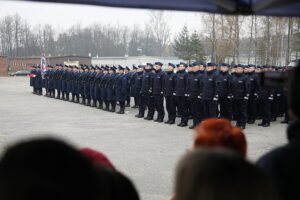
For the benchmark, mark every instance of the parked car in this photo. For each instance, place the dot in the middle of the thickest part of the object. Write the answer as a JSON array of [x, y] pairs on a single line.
[[20, 73]]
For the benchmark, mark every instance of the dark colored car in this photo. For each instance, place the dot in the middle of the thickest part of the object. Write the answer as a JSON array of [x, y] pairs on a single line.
[[20, 73]]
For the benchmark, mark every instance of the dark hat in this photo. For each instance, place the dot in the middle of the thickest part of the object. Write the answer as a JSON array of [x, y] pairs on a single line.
[[120, 67], [190, 65], [141, 66], [177, 65], [56, 64], [134, 67], [97, 67], [39, 67], [75, 67], [211, 64], [66, 66], [149, 64], [183, 63], [33, 66], [127, 68], [171, 64], [158, 63], [224, 65], [240, 65], [49, 66], [112, 68], [82, 67]]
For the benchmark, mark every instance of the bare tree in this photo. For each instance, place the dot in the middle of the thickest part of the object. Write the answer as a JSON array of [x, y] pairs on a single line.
[[160, 29]]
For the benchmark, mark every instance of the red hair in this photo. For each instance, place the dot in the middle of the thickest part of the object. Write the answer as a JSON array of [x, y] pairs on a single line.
[[97, 157], [220, 133]]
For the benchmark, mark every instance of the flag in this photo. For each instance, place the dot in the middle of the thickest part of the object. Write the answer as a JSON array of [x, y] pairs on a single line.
[[32, 75], [44, 66]]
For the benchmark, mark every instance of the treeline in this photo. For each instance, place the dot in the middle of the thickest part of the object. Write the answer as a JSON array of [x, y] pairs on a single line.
[[221, 38], [19, 38]]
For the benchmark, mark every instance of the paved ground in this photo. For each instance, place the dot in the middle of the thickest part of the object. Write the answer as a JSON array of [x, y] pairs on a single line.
[[146, 151]]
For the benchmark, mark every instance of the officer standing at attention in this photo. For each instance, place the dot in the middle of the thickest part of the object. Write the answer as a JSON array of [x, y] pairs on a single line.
[[32, 78], [133, 75], [80, 84], [224, 92], [103, 86], [137, 88], [111, 92], [194, 91], [209, 92], [128, 75], [58, 80], [170, 93], [92, 86], [51, 82], [253, 86], [97, 82], [265, 98], [38, 81], [158, 88], [75, 94], [64, 82], [146, 93], [181, 93], [121, 89], [86, 90], [240, 91]]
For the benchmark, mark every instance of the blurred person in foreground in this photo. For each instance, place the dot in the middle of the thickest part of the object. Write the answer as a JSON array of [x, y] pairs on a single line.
[[220, 174], [49, 169], [123, 186], [283, 163], [215, 132]]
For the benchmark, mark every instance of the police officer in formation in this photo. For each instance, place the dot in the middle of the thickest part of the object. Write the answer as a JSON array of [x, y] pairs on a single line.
[[202, 92]]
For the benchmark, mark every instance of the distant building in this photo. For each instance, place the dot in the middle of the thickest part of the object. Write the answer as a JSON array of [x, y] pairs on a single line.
[[3, 66], [136, 60], [24, 63]]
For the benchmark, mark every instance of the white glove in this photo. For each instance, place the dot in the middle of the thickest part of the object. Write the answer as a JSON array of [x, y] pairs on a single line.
[[174, 93], [215, 99], [186, 95], [270, 98], [246, 98], [229, 97], [199, 97], [278, 95], [161, 92]]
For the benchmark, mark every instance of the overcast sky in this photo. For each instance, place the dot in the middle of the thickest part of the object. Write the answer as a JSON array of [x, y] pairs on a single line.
[[62, 16]]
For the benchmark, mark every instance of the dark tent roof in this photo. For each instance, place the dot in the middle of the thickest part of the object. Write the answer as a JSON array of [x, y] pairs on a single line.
[[244, 7]]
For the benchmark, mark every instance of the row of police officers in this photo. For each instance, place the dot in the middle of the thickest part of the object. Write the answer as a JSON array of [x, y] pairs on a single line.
[[196, 91]]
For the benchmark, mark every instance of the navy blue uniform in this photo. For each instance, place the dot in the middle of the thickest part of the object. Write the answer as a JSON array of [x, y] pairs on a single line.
[[158, 87], [224, 81], [170, 96], [194, 91], [103, 86], [146, 94], [252, 103], [181, 95], [32, 79], [136, 87], [121, 91], [209, 94], [38, 83], [265, 98], [111, 92], [98, 79], [240, 91]]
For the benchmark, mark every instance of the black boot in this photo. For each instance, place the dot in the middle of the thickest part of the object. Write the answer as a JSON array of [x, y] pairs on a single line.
[[94, 103], [83, 101], [88, 103]]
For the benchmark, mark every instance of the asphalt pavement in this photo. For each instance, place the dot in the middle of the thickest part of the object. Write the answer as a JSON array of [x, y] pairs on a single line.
[[145, 151]]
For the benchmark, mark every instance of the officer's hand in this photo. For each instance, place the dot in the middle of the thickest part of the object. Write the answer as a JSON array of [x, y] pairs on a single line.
[[278, 95], [271, 98], [255, 94], [215, 99], [186, 95], [174, 93], [150, 90], [246, 98], [229, 97], [199, 97], [161, 92]]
